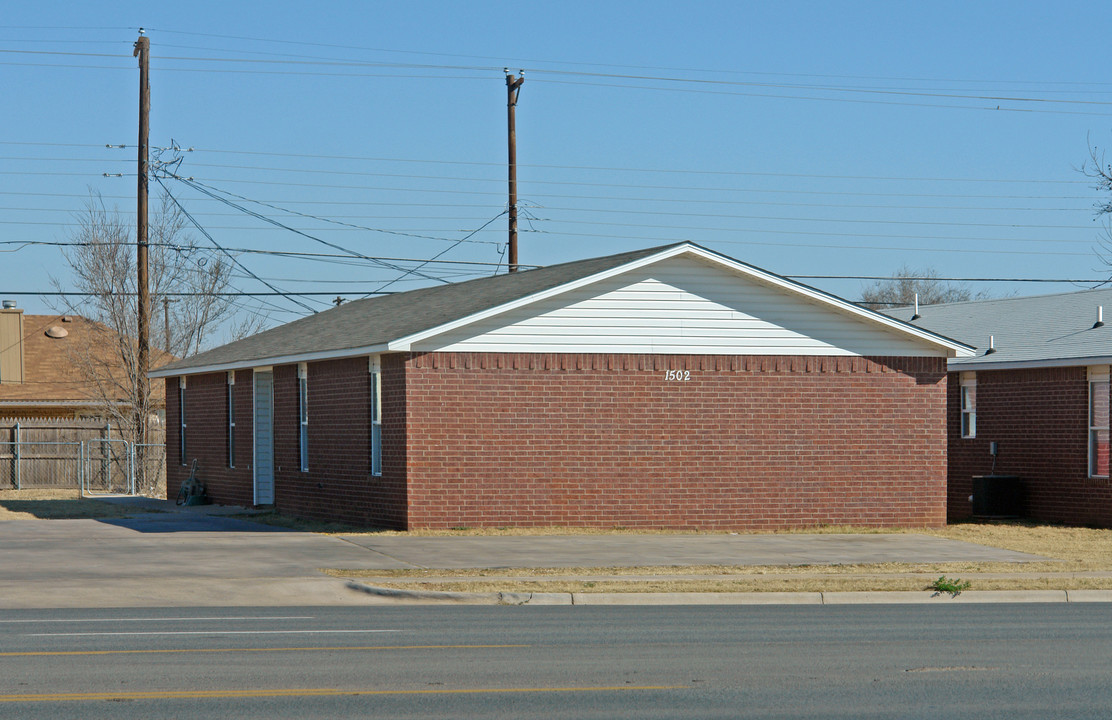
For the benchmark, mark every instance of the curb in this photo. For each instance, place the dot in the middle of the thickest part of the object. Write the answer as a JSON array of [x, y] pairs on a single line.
[[736, 598]]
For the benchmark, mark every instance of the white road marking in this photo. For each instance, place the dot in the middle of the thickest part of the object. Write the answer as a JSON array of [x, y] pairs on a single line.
[[210, 632], [158, 619]]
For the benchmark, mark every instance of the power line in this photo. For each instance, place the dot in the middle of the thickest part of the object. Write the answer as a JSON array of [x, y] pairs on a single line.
[[828, 247], [502, 61], [225, 252], [581, 73], [199, 185], [512, 267], [296, 201], [280, 253], [329, 171], [278, 293]]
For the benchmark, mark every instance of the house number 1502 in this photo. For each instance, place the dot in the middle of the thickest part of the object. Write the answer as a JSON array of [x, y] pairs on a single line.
[[677, 375]]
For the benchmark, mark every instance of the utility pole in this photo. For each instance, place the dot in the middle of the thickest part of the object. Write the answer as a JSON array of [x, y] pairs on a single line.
[[143, 52], [513, 88]]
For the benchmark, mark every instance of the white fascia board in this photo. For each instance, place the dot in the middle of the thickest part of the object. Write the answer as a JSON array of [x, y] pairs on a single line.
[[1028, 364], [263, 361], [952, 347], [406, 343]]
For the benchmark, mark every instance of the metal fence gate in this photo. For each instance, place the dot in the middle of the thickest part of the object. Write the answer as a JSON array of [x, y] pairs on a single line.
[[148, 468], [95, 466], [107, 468]]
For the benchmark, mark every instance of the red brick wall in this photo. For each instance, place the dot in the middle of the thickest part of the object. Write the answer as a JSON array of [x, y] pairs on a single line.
[[1040, 419], [606, 440], [206, 437], [338, 485]]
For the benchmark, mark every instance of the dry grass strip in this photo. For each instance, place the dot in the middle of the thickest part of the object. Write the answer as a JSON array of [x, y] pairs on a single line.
[[1081, 559]]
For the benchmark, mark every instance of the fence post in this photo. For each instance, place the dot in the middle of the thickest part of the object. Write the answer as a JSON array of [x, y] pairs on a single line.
[[18, 481]]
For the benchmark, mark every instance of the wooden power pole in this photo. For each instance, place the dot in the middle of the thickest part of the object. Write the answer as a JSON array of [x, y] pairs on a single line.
[[513, 88], [143, 52]]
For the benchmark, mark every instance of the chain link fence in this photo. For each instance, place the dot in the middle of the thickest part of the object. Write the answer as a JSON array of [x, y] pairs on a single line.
[[97, 466], [41, 465]]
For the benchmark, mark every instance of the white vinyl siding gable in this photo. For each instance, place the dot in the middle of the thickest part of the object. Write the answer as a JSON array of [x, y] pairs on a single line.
[[680, 305]]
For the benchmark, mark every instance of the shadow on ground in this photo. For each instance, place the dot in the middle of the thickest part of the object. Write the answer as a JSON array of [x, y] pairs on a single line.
[[61, 509]]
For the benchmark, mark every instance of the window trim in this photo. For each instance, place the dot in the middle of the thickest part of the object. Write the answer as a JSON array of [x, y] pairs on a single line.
[[303, 416], [231, 419], [968, 411], [1096, 374], [181, 420], [374, 367]]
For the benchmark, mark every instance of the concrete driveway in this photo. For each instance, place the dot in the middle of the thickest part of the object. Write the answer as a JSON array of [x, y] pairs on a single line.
[[198, 556]]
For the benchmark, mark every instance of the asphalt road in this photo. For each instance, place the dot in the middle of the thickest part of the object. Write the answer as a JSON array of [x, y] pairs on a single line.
[[956, 661]]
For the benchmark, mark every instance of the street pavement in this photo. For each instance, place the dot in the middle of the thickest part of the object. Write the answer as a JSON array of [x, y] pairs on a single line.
[[166, 555]]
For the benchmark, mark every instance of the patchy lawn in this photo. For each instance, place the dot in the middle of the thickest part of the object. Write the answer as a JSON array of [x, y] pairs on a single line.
[[1081, 559]]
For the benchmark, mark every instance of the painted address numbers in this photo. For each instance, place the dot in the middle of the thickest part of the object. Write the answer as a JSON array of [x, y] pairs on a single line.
[[677, 375]]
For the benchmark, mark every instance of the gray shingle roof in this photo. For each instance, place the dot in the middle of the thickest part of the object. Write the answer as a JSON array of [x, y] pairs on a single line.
[[1037, 330], [378, 320]]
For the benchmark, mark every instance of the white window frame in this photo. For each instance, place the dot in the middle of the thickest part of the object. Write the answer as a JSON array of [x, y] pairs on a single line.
[[181, 419], [231, 419], [303, 415], [374, 366], [968, 410], [1097, 374]]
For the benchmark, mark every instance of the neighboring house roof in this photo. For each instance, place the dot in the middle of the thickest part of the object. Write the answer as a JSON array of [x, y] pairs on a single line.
[[410, 321], [50, 378], [1038, 331]]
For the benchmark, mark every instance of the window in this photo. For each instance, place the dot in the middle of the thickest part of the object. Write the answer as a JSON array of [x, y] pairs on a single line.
[[181, 418], [376, 416], [231, 420], [1098, 421], [968, 405], [303, 414]]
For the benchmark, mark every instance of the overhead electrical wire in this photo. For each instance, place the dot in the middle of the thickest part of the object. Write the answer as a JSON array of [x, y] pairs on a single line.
[[443, 252], [580, 73], [822, 246], [226, 253], [517, 62], [214, 190]]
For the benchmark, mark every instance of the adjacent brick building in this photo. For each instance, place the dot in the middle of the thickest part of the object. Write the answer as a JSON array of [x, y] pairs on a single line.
[[670, 387], [1029, 413]]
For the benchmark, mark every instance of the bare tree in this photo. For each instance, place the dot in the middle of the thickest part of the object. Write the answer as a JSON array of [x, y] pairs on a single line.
[[1098, 169], [186, 284], [908, 283]]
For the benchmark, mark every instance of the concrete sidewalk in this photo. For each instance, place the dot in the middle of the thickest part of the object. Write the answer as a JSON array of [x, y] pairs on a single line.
[[165, 555]]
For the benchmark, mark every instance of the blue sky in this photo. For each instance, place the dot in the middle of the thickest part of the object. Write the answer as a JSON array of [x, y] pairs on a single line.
[[807, 138]]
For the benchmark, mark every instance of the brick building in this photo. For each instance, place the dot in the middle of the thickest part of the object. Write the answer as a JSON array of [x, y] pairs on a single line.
[[668, 387], [1036, 393]]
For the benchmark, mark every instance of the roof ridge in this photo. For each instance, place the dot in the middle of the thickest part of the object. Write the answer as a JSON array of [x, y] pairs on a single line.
[[1013, 298]]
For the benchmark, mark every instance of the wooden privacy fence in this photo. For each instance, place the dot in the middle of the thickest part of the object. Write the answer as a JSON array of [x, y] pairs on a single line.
[[81, 454]]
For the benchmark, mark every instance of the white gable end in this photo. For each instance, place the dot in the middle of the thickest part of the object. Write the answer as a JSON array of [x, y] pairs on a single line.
[[680, 305]]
